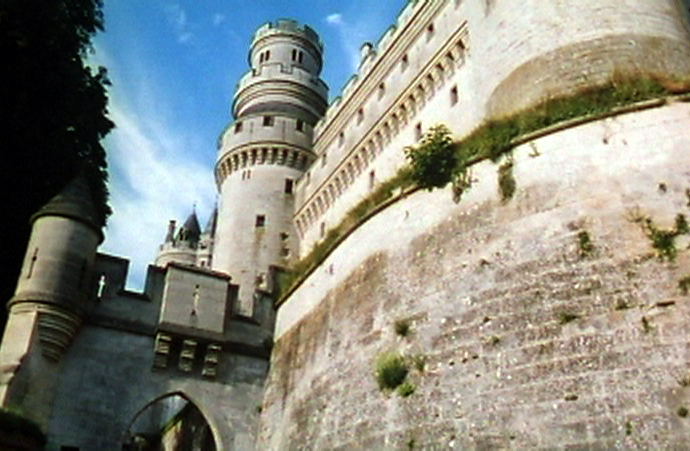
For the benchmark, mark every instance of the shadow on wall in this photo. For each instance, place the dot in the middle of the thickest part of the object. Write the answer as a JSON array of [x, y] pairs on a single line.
[[171, 422]]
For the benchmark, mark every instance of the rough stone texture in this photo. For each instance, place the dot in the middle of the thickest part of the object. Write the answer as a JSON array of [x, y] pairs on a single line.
[[107, 377], [578, 66], [556, 47], [486, 286], [503, 60], [106, 380]]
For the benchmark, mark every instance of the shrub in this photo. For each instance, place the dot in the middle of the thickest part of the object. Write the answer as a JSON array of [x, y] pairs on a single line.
[[402, 327], [419, 362], [681, 225], [434, 160], [684, 285], [646, 327], [584, 244], [391, 370], [506, 181], [663, 240], [461, 182], [406, 389], [567, 317]]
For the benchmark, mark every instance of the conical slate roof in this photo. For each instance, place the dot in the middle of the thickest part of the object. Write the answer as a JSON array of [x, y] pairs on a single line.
[[75, 202], [212, 221], [190, 230]]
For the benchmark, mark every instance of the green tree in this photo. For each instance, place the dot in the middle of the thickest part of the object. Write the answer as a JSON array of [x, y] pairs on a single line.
[[53, 113], [434, 160]]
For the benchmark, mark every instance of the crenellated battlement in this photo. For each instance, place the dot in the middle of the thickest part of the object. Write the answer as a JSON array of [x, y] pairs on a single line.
[[287, 26]]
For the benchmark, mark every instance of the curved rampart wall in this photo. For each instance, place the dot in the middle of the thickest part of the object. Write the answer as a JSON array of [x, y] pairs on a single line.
[[530, 338], [559, 47], [460, 63], [170, 253]]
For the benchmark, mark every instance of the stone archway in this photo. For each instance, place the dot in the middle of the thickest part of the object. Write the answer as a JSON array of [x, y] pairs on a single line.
[[170, 422]]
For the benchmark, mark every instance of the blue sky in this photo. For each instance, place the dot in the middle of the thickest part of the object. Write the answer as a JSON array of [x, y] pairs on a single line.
[[173, 67]]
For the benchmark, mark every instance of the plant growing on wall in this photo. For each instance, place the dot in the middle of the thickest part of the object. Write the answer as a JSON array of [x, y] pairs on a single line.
[[402, 327], [390, 370], [461, 182], [584, 244], [663, 240], [434, 160], [506, 180], [684, 285]]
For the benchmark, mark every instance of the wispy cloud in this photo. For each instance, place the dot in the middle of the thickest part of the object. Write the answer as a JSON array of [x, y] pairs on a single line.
[[218, 19], [351, 37], [177, 17], [154, 176]]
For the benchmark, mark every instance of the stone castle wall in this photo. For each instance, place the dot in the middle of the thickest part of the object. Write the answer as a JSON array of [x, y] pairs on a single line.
[[109, 373], [107, 379], [463, 62], [528, 343]]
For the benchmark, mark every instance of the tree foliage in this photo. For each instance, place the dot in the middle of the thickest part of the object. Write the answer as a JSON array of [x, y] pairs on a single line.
[[53, 111], [434, 160]]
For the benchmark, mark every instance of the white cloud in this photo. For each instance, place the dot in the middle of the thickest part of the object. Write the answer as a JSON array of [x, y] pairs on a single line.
[[334, 19], [184, 37], [218, 19], [177, 17], [154, 176], [351, 37]]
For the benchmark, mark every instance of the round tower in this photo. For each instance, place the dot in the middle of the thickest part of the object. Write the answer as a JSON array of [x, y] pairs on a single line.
[[50, 299], [263, 152]]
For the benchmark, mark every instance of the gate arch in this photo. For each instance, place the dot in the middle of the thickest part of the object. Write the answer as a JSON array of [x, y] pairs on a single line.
[[132, 440]]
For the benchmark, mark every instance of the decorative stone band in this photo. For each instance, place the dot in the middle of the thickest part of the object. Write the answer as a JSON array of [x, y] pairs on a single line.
[[56, 327], [268, 76], [66, 301], [260, 155]]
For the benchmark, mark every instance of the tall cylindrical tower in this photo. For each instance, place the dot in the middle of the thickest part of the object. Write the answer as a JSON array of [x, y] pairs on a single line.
[[263, 152]]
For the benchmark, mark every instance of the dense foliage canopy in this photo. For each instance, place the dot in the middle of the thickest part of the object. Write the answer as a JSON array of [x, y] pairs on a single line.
[[53, 113]]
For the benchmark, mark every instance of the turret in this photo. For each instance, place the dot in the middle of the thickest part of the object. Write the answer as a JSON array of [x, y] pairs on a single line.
[[181, 247], [204, 255], [263, 152], [50, 300]]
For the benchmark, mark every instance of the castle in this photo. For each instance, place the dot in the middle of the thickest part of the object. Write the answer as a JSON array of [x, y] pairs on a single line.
[[541, 321]]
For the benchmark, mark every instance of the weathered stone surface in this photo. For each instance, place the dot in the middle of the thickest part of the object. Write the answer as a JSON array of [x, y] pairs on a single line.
[[528, 343]]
